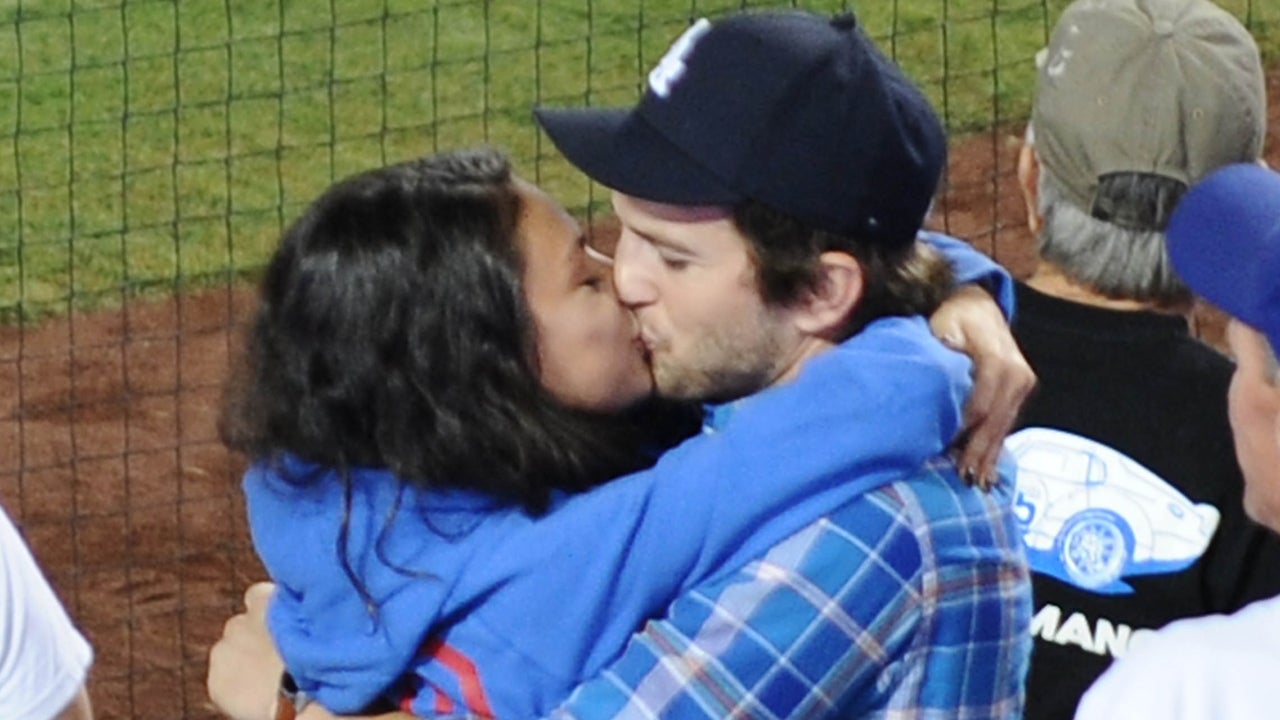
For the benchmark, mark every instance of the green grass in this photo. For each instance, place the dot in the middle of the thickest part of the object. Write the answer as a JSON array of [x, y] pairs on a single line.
[[153, 145]]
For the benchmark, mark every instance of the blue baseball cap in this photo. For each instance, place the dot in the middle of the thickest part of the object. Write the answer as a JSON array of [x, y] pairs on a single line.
[[796, 111], [1224, 240]]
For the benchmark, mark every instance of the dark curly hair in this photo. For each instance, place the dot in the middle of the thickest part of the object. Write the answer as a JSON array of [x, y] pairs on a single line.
[[393, 332]]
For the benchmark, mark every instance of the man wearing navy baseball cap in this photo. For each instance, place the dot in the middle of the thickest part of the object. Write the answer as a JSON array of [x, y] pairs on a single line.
[[801, 116], [771, 186], [1224, 240], [788, 110]]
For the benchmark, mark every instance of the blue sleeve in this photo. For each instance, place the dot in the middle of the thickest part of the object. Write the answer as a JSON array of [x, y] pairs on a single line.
[[972, 267], [338, 649]]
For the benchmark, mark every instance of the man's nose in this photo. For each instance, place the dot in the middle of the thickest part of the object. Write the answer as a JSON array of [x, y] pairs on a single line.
[[631, 278]]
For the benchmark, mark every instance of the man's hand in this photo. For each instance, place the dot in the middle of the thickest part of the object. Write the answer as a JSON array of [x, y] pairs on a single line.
[[971, 322], [244, 667]]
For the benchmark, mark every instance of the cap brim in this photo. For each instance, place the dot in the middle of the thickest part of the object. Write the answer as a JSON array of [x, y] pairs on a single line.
[[620, 150], [1224, 241]]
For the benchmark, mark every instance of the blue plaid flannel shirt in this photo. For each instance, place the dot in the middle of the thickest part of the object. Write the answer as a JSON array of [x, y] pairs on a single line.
[[912, 601]]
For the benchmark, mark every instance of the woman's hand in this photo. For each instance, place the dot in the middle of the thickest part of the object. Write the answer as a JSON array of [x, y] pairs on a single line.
[[971, 322], [244, 667]]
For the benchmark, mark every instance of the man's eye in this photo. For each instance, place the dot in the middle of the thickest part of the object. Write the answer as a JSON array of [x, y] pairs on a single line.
[[675, 263]]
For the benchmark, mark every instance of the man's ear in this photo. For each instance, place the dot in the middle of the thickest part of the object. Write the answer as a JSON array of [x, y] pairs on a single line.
[[1029, 181], [825, 310]]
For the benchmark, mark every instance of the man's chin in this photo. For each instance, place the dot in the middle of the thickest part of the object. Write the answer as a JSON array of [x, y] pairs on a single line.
[[676, 389], [706, 387], [686, 389]]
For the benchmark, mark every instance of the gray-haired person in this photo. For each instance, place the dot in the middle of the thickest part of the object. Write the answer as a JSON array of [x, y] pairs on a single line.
[[1129, 491], [1225, 240]]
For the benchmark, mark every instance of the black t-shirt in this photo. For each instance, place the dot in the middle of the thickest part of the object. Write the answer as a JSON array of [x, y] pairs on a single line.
[[1118, 547]]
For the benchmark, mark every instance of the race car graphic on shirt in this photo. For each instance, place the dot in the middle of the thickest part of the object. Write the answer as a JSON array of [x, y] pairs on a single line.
[[1091, 515]]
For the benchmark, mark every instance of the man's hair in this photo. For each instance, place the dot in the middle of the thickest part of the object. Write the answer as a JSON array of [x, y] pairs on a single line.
[[1119, 262], [910, 279], [393, 332]]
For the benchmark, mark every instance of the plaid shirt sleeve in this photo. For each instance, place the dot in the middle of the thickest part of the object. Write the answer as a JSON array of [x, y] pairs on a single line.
[[912, 601]]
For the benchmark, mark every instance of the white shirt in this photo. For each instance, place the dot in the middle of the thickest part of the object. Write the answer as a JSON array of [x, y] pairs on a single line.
[[43, 658], [1218, 666]]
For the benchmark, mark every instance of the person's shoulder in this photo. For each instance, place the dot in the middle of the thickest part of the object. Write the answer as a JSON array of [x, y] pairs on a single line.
[[956, 525], [936, 493], [917, 516], [1200, 646], [1255, 627], [285, 485], [1196, 357], [1203, 667], [877, 525], [930, 524]]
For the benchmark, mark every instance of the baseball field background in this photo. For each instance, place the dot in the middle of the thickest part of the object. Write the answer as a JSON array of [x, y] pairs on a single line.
[[151, 151]]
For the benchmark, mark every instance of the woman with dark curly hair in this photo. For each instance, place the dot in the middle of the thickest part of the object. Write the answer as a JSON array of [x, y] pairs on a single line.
[[437, 368], [443, 320]]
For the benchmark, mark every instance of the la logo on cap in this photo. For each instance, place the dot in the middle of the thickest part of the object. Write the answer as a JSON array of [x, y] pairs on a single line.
[[672, 66]]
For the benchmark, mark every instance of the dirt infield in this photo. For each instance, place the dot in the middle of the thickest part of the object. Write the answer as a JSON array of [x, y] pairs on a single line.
[[110, 463]]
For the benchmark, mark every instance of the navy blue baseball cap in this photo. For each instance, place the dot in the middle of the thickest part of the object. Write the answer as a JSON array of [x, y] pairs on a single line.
[[1224, 240], [796, 111]]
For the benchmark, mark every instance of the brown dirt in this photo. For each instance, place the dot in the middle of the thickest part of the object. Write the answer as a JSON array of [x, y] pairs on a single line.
[[110, 463], [109, 459]]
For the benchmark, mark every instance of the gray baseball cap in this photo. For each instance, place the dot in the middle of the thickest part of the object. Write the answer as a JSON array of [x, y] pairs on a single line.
[[1172, 88]]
